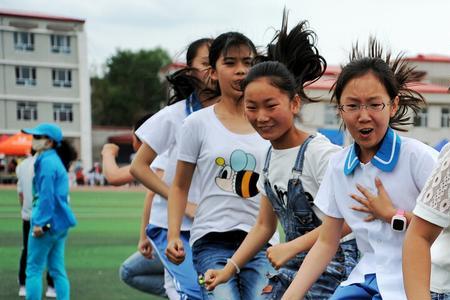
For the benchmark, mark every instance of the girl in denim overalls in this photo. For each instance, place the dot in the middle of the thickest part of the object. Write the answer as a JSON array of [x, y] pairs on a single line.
[[293, 168]]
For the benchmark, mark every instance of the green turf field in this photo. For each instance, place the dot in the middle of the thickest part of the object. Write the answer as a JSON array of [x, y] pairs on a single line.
[[106, 235]]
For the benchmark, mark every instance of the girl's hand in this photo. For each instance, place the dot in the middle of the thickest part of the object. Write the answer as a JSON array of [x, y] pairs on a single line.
[[110, 149], [279, 254], [145, 248], [37, 231], [377, 206], [175, 251], [215, 277]]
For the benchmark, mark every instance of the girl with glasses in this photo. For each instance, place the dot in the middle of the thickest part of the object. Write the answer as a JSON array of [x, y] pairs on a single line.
[[373, 99]]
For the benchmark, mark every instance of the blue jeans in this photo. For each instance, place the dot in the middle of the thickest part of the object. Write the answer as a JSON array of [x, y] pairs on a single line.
[[246, 285], [47, 250], [143, 274], [184, 275], [436, 296], [359, 291], [336, 272]]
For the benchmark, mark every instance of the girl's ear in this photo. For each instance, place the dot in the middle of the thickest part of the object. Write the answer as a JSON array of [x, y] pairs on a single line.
[[213, 74], [296, 104], [50, 143], [394, 106]]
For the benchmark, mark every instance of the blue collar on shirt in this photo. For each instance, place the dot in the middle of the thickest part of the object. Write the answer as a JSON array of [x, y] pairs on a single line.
[[192, 104], [385, 159]]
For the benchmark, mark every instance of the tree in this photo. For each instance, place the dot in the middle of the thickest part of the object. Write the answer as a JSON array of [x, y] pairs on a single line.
[[129, 88]]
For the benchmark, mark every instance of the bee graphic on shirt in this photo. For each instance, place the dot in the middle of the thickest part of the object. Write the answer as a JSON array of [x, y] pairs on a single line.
[[239, 176]]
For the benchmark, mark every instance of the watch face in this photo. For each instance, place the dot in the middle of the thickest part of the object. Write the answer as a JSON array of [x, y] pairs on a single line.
[[398, 224]]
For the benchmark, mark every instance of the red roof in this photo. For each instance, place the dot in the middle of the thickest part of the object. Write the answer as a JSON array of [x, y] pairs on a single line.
[[435, 58], [429, 88], [325, 83], [332, 70], [37, 15], [172, 66], [121, 139]]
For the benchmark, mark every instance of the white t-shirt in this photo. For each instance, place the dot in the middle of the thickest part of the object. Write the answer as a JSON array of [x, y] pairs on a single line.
[[160, 162], [161, 133], [315, 164], [227, 164], [381, 247], [433, 205], [25, 174]]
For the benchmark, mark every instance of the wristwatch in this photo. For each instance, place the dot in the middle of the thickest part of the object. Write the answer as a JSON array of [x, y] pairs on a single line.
[[398, 222]]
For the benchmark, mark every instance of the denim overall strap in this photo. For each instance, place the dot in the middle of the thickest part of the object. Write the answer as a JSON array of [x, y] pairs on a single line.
[[192, 104], [298, 166], [267, 162]]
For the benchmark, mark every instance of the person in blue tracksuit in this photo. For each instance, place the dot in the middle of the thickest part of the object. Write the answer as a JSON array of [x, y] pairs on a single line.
[[51, 215]]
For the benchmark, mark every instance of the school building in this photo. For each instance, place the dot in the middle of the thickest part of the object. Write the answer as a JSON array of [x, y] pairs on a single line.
[[431, 126], [44, 76]]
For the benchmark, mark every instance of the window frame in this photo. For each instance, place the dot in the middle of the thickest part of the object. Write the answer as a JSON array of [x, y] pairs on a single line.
[[331, 115], [21, 79], [65, 81], [63, 109], [421, 119], [26, 111], [19, 43], [60, 43], [445, 117]]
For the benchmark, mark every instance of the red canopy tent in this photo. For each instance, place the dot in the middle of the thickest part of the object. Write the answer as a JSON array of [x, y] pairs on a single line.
[[18, 144], [3, 137]]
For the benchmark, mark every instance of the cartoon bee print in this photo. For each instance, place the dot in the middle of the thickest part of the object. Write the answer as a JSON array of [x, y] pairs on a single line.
[[239, 176]]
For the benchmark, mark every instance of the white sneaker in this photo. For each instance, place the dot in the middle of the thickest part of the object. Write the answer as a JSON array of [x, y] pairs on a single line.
[[22, 291], [50, 293]]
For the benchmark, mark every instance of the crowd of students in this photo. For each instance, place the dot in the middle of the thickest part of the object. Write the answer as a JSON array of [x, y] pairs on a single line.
[[229, 161], [238, 163]]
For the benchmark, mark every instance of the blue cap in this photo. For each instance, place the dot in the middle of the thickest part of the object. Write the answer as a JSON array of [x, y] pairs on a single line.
[[51, 130]]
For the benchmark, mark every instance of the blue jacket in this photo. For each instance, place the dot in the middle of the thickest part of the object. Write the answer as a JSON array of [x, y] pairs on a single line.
[[51, 191]]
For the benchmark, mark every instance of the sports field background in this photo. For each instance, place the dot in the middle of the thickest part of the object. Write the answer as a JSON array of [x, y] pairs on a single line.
[[107, 233]]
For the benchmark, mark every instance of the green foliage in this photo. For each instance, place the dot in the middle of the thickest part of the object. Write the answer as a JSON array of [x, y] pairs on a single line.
[[129, 88]]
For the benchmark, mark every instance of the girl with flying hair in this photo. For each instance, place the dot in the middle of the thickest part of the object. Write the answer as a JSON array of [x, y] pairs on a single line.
[[294, 167], [374, 99]]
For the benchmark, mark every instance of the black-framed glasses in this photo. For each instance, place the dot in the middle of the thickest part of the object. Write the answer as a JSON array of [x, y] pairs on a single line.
[[39, 136], [354, 107]]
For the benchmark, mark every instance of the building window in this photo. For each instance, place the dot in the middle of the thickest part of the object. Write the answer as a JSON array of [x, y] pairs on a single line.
[[62, 112], [331, 116], [421, 120], [24, 41], [25, 76], [60, 43], [62, 78], [27, 111], [445, 117]]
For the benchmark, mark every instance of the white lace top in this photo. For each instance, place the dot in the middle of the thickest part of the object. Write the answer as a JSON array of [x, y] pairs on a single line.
[[433, 205]]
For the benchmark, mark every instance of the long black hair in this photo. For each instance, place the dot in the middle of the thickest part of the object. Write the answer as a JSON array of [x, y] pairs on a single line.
[[394, 73], [292, 61], [66, 153], [182, 83]]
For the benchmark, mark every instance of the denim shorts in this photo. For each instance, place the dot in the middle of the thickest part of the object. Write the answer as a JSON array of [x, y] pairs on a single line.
[[336, 272], [248, 284], [439, 296]]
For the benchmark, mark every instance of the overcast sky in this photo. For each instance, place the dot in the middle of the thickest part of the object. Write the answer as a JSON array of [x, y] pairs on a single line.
[[411, 26]]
